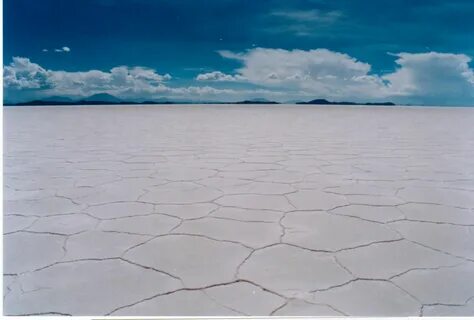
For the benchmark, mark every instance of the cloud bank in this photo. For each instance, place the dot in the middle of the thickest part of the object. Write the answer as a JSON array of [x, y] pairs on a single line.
[[24, 74], [418, 78], [219, 76], [431, 77], [25, 80]]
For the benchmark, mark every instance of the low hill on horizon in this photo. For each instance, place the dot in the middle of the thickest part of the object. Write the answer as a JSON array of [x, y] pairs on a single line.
[[347, 103], [256, 101]]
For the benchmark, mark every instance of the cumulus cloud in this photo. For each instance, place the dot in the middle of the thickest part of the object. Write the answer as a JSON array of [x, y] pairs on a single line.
[[320, 71], [218, 76], [424, 78], [119, 80], [433, 77], [420, 77], [23, 74], [25, 80]]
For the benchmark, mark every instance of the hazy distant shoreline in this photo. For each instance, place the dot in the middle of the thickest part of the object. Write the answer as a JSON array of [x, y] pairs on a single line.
[[197, 105], [108, 99], [104, 99]]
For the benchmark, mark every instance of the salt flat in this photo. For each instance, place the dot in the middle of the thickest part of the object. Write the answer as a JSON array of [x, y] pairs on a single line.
[[239, 210]]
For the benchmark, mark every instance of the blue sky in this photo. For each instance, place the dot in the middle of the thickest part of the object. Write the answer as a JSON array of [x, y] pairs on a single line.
[[406, 51]]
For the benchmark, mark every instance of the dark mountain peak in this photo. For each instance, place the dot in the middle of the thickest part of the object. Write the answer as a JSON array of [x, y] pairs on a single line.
[[102, 97], [257, 101], [318, 101]]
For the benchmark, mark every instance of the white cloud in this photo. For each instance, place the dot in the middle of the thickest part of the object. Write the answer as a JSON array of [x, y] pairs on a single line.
[[219, 76], [63, 49], [321, 72], [45, 50], [22, 74], [25, 80], [421, 77], [119, 80], [433, 78], [425, 78]]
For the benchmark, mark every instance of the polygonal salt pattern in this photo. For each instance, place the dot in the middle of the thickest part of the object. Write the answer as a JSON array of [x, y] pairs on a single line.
[[238, 210]]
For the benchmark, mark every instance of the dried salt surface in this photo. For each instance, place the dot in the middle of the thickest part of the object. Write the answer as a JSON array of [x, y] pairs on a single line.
[[239, 210]]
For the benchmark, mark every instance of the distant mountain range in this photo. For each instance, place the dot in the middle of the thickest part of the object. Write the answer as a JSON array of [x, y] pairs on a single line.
[[95, 99], [108, 99]]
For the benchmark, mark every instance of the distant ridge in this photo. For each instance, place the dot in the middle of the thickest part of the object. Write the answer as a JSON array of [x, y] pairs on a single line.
[[350, 103], [108, 99], [95, 99], [57, 99]]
